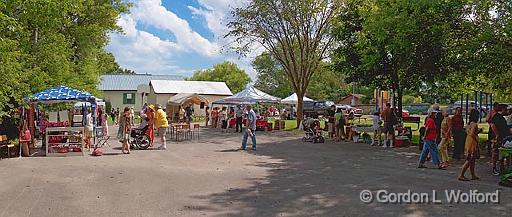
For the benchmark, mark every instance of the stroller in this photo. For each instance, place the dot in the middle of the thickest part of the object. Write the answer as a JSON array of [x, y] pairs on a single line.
[[312, 131], [139, 139]]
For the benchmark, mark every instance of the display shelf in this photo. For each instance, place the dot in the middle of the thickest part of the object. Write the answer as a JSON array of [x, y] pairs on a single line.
[[65, 132], [56, 154]]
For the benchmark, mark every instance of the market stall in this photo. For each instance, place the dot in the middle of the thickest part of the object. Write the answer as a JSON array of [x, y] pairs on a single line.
[[291, 102], [251, 95], [60, 137], [182, 99], [293, 99]]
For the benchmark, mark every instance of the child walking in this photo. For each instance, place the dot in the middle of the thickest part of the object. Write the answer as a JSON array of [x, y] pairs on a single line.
[[377, 139]]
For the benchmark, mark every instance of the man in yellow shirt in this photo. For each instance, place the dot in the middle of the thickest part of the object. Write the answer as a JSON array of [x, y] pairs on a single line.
[[161, 125]]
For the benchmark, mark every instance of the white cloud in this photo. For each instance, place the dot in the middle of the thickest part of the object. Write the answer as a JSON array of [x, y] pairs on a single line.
[[152, 12], [146, 52], [217, 14], [140, 50]]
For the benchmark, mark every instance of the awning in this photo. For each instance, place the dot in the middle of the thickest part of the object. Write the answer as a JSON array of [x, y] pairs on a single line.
[[181, 98], [61, 94], [249, 96]]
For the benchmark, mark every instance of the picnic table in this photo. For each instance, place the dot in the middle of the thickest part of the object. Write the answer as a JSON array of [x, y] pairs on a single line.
[[412, 119]]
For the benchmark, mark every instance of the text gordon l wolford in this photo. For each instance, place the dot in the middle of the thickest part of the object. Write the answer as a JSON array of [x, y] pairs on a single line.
[[448, 196]]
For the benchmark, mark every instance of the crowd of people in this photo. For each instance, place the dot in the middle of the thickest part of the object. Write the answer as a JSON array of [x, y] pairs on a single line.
[[440, 128], [438, 131], [152, 117]]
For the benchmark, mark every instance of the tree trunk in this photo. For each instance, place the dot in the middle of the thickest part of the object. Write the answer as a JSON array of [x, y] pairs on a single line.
[[300, 107], [399, 100]]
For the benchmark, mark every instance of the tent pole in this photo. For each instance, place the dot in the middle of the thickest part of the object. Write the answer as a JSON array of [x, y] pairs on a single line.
[[467, 107]]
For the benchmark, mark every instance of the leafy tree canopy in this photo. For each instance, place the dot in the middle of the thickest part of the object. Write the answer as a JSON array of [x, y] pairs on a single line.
[[236, 79], [46, 43]]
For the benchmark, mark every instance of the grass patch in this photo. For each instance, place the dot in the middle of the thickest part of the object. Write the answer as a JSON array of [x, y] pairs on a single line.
[[291, 125]]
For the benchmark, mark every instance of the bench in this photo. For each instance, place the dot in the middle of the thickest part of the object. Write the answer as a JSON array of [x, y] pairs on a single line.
[[4, 143], [412, 119]]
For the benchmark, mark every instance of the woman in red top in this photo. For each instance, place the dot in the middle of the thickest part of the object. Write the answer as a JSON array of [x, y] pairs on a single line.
[[150, 113], [215, 117]]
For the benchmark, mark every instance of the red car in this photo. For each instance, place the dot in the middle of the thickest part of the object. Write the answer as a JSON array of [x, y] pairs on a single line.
[[357, 112], [405, 113]]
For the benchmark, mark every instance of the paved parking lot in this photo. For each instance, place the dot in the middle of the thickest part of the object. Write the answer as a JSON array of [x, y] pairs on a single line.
[[210, 177]]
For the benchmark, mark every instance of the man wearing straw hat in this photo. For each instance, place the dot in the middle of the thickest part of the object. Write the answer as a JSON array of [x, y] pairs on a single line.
[[161, 125]]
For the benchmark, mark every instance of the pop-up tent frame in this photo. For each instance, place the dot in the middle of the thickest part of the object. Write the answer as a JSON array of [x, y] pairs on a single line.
[[249, 95], [64, 94]]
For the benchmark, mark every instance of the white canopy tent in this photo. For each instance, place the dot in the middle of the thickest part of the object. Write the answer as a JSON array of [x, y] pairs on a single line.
[[182, 98], [293, 99]]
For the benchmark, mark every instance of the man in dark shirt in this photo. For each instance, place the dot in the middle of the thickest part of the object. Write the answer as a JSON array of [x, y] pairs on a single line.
[[188, 113], [438, 119], [459, 135], [389, 130], [331, 120], [500, 130]]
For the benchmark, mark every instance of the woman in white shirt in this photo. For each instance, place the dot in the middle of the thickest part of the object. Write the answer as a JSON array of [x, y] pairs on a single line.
[[224, 119], [181, 114]]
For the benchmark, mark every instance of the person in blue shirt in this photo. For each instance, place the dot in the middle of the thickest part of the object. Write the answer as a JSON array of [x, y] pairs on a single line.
[[250, 129]]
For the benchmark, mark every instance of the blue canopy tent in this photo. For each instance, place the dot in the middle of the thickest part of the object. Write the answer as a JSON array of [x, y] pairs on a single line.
[[61, 94], [65, 94]]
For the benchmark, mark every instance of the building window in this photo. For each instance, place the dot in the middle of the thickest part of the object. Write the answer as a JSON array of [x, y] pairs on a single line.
[[202, 105], [128, 98]]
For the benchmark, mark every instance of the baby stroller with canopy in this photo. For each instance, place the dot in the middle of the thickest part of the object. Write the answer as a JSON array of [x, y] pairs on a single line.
[[312, 131]]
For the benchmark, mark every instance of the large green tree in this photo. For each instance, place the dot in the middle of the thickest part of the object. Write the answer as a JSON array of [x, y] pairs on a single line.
[[295, 32], [271, 77], [236, 79], [487, 48], [325, 84], [444, 47], [399, 44], [46, 43]]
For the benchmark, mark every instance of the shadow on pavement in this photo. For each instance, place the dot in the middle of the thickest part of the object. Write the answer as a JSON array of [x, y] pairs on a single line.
[[326, 180]]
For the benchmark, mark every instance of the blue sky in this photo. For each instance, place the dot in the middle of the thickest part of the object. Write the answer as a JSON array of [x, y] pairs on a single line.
[[176, 37]]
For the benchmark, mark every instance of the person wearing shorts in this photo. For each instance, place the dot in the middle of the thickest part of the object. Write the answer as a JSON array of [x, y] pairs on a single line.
[[88, 128], [501, 130], [389, 130], [161, 124]]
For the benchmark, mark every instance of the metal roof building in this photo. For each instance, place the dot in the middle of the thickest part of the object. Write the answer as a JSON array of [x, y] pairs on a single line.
[[161, 91], [197, 87], [124, 90], [131, 82]]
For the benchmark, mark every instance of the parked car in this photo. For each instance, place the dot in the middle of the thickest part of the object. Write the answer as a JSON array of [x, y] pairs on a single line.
[[317, 108], [405, 113], [417, 108], [357, 112]]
